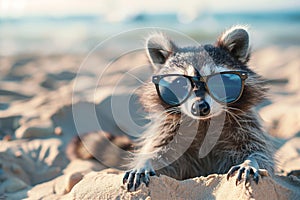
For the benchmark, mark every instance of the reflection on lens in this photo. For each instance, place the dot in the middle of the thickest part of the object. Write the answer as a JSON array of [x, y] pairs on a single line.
[[174, 89], [225, 88]]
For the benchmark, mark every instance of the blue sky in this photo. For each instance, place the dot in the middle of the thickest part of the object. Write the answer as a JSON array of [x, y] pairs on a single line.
[[114, 9]]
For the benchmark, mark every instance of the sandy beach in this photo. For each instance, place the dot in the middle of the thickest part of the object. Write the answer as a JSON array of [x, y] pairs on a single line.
[[40, 94]]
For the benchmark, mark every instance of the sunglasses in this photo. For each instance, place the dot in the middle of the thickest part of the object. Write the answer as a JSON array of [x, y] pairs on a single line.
[[224, 87]]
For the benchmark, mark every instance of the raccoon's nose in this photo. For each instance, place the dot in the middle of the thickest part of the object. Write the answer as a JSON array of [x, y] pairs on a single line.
[[200, 108]]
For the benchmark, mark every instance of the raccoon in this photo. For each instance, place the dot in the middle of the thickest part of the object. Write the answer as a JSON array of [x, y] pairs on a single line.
[[201, 104]]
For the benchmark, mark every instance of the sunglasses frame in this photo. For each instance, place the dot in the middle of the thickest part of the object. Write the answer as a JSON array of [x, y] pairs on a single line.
[[200, 79]]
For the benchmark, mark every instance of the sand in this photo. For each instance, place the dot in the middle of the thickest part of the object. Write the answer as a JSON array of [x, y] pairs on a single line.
[[37, 107]]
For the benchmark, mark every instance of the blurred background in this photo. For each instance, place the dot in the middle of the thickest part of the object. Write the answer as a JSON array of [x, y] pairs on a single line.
[[53, 26]]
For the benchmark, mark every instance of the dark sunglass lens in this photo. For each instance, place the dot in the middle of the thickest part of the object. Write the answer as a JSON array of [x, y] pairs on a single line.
[[174, 89], [225, 88]]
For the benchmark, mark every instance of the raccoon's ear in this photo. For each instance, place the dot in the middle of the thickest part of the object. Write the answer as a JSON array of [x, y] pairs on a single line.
[[236, 40], [159, 47]]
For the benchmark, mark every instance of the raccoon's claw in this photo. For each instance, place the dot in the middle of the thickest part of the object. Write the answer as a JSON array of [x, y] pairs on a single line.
[[248, 169], [125, 178], [134, 177]]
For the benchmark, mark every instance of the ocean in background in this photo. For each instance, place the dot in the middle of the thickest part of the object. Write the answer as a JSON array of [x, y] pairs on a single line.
[[79, 34]]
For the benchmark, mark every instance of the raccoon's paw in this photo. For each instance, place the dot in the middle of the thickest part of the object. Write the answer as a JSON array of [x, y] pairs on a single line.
[[134, 177], [249, 167]]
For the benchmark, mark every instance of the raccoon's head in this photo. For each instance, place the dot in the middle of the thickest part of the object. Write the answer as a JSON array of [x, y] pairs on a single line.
[[202, 81]]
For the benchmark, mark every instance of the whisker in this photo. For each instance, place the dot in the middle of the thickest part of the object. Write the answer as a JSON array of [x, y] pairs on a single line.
[[236, 118], [237, 109]]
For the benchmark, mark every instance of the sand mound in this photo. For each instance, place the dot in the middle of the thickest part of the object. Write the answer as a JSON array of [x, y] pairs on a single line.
[[107, 185]]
